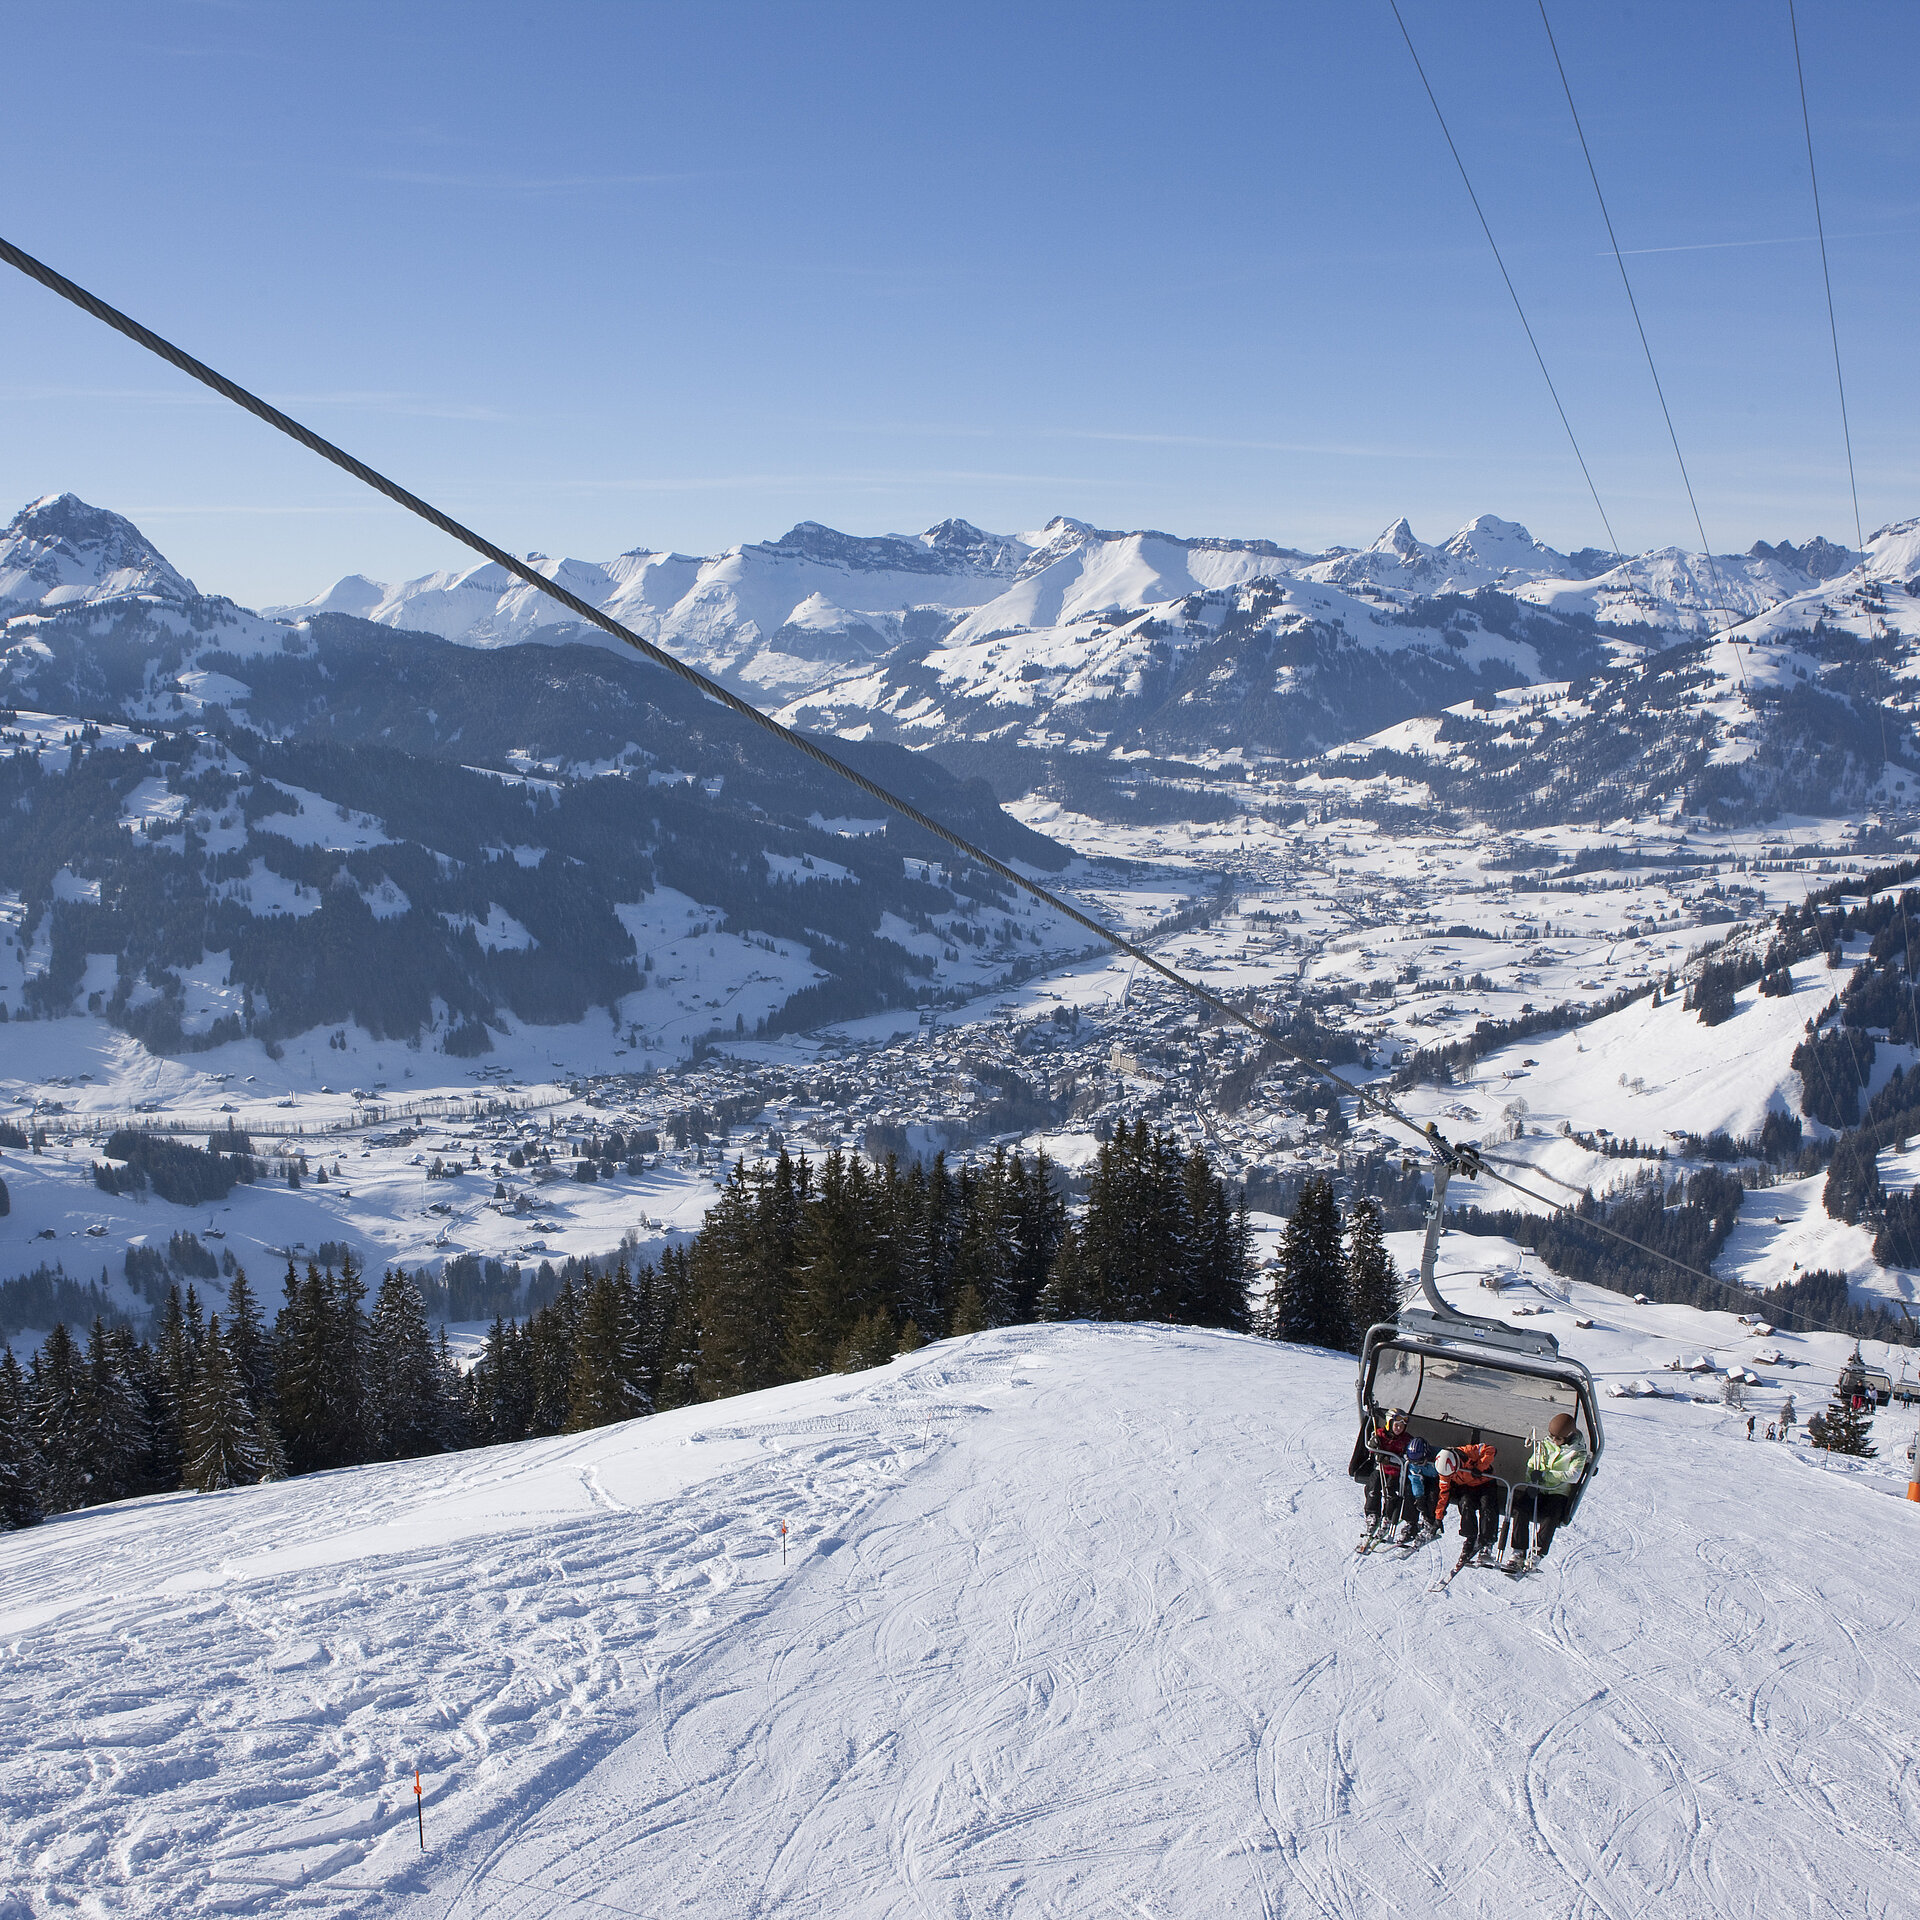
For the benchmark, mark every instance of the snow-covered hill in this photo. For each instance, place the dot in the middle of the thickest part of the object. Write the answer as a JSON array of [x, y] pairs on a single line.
[[1068, 1622]]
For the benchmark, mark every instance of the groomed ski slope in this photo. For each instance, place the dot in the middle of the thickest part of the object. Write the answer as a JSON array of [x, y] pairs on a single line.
[[1071, 1625]]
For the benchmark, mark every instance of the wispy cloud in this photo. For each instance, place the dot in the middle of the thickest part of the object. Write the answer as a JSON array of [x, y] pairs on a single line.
[[420, 406], [184, 396], [869, 481], [1782, 240], [1121, 436], [536, 184], [372, 507], [413, 405]]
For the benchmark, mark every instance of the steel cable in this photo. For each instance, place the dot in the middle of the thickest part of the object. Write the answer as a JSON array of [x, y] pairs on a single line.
[[1540, 359], [1593, 173], [523, 570], [1367, 1099]]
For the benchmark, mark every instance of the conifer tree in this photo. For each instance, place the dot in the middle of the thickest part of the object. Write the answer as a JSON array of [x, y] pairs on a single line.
[[299, 1371], [138, 1364], [988, 1256], [838, 1278], [498, 1391], [404, 1416], [552, 1336], [453, 1412], [1846, 1429], [347, 1355], [679, 1322], [58, 1422], [608, 1367], [176, 1357], [119, 1442], [320, 1369], [869, 1342], [970, 1313], [740, 1283], [1373, 1282], [1040, 1224], [247, 1342], [1310, 1303], [1215, 1246], [19, 1501], [221, 1445]]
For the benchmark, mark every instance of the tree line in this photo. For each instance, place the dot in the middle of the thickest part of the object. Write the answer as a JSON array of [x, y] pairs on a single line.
[[1335, 1278], [800, 1270]]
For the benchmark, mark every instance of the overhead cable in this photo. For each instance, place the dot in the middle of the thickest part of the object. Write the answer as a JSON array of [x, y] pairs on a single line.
[[1593, 173], [55, 282], [1833, 326], [1613, 543], [1367, 1098]]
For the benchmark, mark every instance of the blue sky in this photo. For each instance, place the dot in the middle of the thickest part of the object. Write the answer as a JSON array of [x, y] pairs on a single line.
[[602, 276]]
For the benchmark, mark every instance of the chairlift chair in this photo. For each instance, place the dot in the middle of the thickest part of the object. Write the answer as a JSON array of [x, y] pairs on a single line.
[[1461, 1378]]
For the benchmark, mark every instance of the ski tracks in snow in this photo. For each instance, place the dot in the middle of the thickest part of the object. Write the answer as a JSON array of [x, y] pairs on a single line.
[[247, 1744], [1110, 1654], [1072, 1626]]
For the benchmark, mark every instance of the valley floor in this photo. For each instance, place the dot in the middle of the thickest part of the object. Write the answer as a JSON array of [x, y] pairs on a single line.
[[1070, 1623]]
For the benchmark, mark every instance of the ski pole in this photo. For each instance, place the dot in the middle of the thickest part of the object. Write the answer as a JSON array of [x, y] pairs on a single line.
[[420, 1809]]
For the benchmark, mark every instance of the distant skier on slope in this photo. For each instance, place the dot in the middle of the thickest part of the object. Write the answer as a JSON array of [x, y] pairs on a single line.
[[1466, 1481], [1556, 1464]]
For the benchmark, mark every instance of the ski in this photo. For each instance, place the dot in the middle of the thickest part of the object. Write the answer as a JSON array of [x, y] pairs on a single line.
[[1446, 1579]]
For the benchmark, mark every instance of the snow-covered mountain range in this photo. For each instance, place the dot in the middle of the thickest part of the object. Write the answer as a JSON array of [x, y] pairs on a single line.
[[1082, 633], [1077, 635], [785, 614]]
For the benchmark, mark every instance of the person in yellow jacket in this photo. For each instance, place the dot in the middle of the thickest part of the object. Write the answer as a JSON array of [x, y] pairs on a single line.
[[1556, 1465]]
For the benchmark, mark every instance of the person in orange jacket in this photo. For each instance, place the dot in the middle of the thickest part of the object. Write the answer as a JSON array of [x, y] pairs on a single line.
[[1466, 1481]]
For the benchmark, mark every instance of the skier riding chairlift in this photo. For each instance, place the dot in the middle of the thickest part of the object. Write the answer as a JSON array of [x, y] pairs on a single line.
[[1471, 1382]]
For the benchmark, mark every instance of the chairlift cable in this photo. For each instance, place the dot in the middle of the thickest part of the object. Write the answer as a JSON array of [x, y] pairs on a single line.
[[1613, 543], [1463, 1157], [1593, 173], [1846, 432], [90, 303], [1826, 276]]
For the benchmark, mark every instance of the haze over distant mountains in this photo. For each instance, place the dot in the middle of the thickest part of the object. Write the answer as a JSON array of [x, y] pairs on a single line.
[[1069, 635], [792, 616]]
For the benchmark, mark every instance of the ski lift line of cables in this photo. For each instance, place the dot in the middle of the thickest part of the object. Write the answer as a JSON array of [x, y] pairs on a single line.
[[1846, 427], [1826, 275], [1613, 544], [1627, 1240], [1368, 1100], [1593, 173], [89, 303]]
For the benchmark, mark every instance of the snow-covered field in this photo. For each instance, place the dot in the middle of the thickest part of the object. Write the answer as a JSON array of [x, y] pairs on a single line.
[[1069, 1623]]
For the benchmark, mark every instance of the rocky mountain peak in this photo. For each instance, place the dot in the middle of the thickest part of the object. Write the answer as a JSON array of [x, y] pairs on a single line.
[[59, 551]]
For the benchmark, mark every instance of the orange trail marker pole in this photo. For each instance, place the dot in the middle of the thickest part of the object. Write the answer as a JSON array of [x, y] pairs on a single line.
[[420, 1809]]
